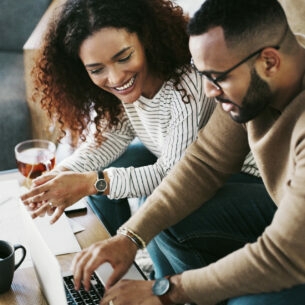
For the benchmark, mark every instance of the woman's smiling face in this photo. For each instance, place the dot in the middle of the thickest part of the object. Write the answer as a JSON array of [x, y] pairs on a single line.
[[115, 61]]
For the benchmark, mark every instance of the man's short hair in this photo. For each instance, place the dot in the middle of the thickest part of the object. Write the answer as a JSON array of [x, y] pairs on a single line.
[[242, 20]]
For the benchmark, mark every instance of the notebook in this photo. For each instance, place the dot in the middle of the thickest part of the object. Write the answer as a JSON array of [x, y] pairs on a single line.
[[50, 276]]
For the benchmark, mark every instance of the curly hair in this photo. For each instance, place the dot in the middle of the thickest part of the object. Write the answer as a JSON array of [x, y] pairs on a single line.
[[62, 84]]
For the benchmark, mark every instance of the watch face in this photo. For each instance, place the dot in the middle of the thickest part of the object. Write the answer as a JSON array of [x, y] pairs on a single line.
[[101, 185], [161, 286]]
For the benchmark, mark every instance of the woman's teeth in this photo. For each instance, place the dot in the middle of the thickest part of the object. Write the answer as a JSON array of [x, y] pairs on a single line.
[[127, 85]]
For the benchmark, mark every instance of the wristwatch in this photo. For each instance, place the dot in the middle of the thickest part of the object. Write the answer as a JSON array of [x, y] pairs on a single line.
[[100, 183], [161, 288]]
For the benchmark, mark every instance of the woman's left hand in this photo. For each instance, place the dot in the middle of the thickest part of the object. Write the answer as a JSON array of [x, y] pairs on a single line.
[[55, 191]]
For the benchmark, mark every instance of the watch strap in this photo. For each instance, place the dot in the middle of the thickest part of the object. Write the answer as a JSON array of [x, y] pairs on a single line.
[[100, 174], [165, 300]]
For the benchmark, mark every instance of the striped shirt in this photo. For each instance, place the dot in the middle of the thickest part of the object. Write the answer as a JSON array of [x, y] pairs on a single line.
[[164, 124]]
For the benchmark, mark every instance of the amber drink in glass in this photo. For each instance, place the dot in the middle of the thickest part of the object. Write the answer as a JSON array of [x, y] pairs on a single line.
[[34, 157]]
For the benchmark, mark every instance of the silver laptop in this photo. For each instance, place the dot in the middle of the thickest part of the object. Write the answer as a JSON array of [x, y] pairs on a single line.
[[58, 288]]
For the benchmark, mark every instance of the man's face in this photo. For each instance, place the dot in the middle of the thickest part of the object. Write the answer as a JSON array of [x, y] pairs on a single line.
[[242, 93], [255, 101]]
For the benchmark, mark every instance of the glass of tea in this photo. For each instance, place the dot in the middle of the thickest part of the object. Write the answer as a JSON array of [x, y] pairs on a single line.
[[35, 157]]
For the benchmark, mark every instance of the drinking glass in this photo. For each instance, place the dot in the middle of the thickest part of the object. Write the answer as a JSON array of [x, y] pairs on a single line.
[[34, 157]]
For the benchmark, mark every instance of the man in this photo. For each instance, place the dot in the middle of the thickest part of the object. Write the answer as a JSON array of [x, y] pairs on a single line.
[[255, 69]]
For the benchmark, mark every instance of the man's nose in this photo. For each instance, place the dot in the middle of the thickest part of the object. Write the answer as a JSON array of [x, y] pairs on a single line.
[[210, 89]]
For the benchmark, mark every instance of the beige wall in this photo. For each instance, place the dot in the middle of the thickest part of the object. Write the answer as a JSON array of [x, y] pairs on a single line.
[[295, 11], [189, 6]]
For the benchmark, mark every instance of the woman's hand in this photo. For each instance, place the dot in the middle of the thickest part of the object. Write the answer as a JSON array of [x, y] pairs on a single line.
[[119, 251], [55, 191]]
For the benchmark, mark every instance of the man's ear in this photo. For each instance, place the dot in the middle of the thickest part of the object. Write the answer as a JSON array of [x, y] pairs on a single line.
[[270, 61]]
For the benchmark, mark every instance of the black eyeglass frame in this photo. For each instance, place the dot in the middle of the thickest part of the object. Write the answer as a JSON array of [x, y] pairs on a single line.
[[222, 75]]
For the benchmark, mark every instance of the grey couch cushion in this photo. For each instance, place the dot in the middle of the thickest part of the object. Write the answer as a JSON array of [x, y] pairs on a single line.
[[15, 120], [11, 76], [17, 20]]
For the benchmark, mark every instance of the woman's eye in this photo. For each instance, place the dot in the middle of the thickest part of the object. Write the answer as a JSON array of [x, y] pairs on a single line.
[[96, 71], [125, 58]]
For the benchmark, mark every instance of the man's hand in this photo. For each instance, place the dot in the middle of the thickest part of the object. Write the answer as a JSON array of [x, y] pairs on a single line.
[[131, 292], [119, 251]]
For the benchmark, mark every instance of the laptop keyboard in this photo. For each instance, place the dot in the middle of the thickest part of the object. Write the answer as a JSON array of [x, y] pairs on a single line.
[[81, 296]]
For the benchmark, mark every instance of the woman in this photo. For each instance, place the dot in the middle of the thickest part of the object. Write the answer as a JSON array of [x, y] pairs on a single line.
[[123, 66]]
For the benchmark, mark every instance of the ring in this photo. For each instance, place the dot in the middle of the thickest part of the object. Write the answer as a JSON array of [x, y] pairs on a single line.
[[51, 204], [111, 303]]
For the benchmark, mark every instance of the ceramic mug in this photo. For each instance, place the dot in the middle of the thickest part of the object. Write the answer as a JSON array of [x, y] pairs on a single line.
[[7, 263]]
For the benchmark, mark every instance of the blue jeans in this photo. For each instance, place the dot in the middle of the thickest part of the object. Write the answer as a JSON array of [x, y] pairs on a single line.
[[114, 212], [236, 215]]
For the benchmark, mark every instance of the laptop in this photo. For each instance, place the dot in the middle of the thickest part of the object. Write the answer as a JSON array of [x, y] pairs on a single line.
[[58, 288]]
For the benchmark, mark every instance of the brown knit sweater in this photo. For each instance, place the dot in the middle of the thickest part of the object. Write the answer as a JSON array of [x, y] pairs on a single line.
[[277, 139], [277, 259]]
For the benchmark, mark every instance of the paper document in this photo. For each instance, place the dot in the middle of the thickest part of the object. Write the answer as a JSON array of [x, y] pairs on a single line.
[[9, 212], [10, 217], [59, 236]]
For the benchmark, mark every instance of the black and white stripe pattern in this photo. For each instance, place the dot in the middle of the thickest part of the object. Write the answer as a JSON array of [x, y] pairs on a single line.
[[165, 125]]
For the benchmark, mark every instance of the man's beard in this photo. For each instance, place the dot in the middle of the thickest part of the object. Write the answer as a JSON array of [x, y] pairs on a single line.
[[257, 98]]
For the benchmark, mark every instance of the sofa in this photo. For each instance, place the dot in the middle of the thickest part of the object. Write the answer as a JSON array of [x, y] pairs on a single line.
[[17, 21]]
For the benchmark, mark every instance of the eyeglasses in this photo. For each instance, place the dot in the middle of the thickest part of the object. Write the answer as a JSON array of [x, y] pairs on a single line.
[[222, 75]]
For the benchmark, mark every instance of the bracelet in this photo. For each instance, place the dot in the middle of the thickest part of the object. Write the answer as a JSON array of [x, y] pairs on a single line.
[[135, 238]]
